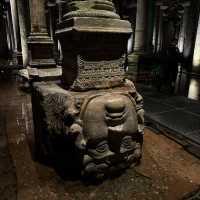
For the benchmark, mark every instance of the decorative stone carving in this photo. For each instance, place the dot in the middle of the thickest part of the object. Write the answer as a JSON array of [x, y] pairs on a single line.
[[99, 74], [93, 120], [105, 126], [91, 8]]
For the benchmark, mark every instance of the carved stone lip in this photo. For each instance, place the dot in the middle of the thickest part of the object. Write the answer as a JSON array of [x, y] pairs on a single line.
[[116, 117]]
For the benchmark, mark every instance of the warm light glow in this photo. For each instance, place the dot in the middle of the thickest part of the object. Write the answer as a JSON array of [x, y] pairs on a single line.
[[196, 57], [194, 89], [130, 44], [180, 44]]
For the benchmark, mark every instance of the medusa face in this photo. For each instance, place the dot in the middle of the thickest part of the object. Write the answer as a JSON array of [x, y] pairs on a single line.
[[110, 128]]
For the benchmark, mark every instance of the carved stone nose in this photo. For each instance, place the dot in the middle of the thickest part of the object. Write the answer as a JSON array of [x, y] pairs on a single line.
[[115, 105]]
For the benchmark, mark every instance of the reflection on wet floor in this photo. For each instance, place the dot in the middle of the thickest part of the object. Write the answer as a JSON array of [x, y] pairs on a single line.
[[194, 89], [188, 86], [164, 164]]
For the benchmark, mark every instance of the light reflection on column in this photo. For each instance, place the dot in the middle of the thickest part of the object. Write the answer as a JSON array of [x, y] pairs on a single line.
[[196, 57], [184, 26], [130, 44], [194, 89]]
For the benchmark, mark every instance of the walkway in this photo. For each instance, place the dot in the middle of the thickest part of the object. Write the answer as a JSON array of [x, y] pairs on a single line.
[[164, 164], [176, 116]]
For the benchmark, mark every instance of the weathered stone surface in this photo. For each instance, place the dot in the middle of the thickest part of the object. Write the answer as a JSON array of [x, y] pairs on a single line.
[[93, 51], [93, 122], [91, 8], [101, 130]]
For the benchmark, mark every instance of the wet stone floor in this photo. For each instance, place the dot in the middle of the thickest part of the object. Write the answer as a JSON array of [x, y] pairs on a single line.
[[166, 172]]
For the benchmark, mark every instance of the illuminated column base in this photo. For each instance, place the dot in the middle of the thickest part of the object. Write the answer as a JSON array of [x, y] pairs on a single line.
[[194, 89]]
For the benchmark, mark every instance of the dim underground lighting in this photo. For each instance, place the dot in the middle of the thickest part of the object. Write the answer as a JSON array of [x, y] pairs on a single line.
[[194, 89], [196, 57]]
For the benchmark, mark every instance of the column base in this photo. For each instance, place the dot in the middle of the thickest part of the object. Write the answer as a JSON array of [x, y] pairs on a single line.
[[42, 64], [139, 67], [132, 72]]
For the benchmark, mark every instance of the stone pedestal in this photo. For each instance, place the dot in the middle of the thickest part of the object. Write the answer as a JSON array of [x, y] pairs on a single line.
[[93, 121], [93, 52], [40, 44]]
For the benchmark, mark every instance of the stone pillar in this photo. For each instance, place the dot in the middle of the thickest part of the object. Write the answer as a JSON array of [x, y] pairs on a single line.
[[10, 32], [184, 26], [38, 18], [140, 30], [139, 40], [150, 25], [191, 27], [3, 37], [9, 41], [196, 56], [61, 5], [156, 27], [60, 10], [15, 30], [41, 56], [23, 31], [160, 30]]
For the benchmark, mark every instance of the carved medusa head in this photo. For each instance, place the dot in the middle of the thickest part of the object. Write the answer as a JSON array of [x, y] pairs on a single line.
[[105, 127]]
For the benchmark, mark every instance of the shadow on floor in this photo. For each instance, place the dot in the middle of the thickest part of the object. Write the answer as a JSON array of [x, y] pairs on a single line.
[[176, 116]]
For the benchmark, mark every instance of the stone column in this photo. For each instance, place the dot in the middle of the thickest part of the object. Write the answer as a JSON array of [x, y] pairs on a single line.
[[23, 31], [3, 36], [150, 25], [9, 41], [184, 26], [196, 56], [139, 40], [191, 27], [41, 56], [60, 9], [10, 32], [15, 30], [38, 18], [160, 29], [140, 30], [156, 26]]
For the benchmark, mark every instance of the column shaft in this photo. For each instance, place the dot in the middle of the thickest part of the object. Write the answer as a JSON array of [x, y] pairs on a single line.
[[38, 18], [160, 31], [23, 31], [156, 28], [14, 22], [140, 31], [183, 28], [196, 56]]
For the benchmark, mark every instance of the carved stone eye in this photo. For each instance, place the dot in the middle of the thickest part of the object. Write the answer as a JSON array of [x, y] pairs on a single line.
[[102, 147], [127, 143]]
